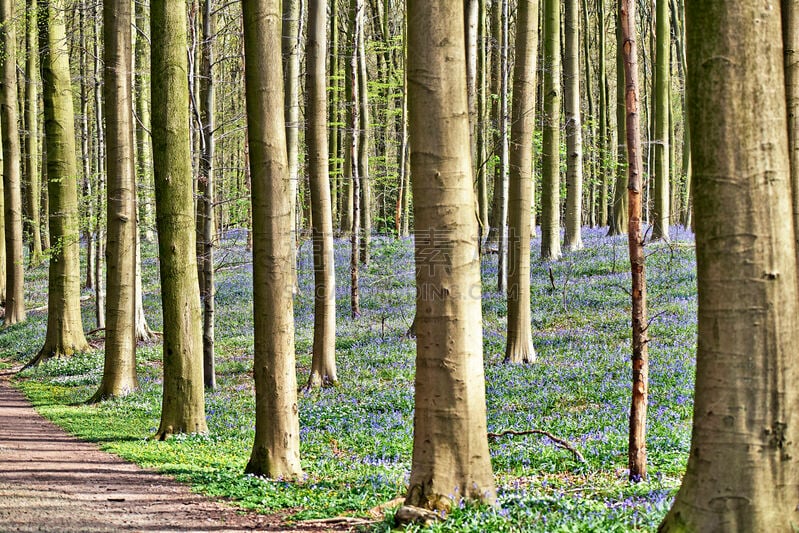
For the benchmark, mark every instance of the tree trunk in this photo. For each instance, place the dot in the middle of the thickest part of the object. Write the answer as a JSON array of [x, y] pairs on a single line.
[[662, 104], [502, 183], [550, 173], [144, 147], [32, 177], [64, 326], [450, 451], [119, 368], [363, 142], [355, 22], [790, 39], [183, 406], [640, 359], [481, 133], [618, 222], [290, 46], [334, 82], [742, 470], [519, 346], [99, 158], [276, 449], [606, 154], [206, 225], [12, 186], [323, 364], [574, 134]]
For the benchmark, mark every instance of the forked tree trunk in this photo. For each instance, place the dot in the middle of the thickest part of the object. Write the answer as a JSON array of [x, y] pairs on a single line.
[[635, 237], [64, 326], [742, 470], [519, 345], [276, 448], [550, 173], [12, 185], [323, 363], [119, 368], [573, 239], [183, 405], [450, 451]]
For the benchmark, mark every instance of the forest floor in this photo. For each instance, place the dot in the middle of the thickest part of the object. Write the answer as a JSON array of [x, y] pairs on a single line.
[[51, 481]]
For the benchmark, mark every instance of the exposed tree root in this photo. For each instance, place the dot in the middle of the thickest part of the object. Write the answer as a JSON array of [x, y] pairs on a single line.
[[560, 443]]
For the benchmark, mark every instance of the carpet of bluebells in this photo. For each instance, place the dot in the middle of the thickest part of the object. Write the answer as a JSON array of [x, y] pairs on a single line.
[[357, 437]]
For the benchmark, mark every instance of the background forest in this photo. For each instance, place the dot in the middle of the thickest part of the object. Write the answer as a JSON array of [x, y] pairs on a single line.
[[294, 191]]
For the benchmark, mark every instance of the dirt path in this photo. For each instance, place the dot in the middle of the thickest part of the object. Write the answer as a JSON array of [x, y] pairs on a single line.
[[51, 481]]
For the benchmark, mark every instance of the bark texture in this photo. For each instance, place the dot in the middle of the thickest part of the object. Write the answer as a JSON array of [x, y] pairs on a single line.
[[276, 449], [742, 470], [64, 326], [550, 172], [450, 452], [183, 405], [12, 184], [323, 363], [119, 368], [519, 345]]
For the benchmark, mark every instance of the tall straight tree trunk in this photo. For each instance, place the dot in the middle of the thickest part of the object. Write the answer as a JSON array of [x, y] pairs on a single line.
[[497, 26], [550, 173], [276, 449], [183, 405], [32, 175], [519, 345], [742, 469], [661, 214], [618, 222], [334, 82], [323, 363], [573, 239], [450, 452], [504, 155], [790, 40], [290, 46], [364, 142], [64, 326], [99, 158], [87, 199], [144, 147], [481, 133], [12, 183], [635, 237], [119, 368], [206, 225], [353, 123], [606, 153]]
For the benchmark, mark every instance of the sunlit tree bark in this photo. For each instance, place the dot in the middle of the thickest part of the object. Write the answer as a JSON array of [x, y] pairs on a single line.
[[450, 453], [276, 448], [183, 405], [742, 469]]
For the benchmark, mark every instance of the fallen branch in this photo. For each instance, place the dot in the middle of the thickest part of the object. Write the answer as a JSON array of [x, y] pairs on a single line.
[[338, 520], [560, 443]]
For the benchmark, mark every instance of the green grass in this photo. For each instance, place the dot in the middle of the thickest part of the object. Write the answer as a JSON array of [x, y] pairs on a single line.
[[356, 438]]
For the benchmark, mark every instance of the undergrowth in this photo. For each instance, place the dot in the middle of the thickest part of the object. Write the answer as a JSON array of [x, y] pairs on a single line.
[[356, 437]]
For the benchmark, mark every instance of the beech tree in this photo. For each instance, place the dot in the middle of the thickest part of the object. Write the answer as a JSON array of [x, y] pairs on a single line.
[[742, 469], [119, 368], [64, 324], [550, 172], [183, 405], [450, 446], [276, 449], [661, 214], [323, 364], [519, 345], [31, 175], [573, 239], [12, 186]]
